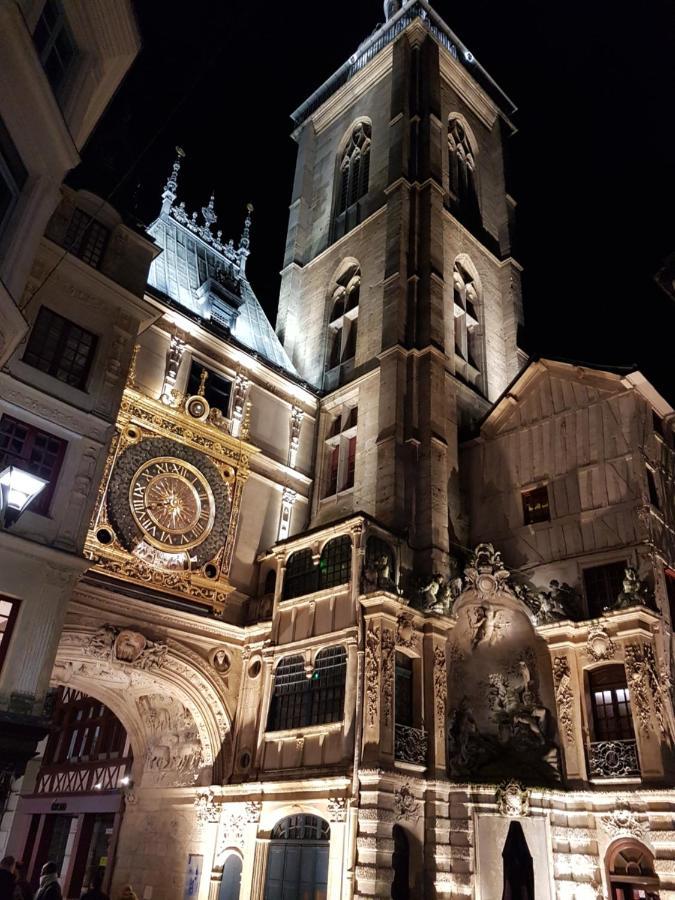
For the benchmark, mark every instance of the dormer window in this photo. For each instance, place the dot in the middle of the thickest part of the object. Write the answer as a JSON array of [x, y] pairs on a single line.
[[86, 238]]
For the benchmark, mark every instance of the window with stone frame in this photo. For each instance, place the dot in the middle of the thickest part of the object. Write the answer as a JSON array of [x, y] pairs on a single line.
[[467, 309], [35, 451], [602, 586], [13, 177], [60, 348], [631, 873], [354, 168], [9, 610], [403, 690], [55, 45], [462, 176], [343, 320], [304, 697], [340, 453], [86, 238], [610, 700]]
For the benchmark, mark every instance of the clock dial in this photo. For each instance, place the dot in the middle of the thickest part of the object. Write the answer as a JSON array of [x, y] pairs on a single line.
[[172, 504], [169, 503]]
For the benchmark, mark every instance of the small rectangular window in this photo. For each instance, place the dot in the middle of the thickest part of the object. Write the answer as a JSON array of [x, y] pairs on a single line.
[[55, 44], [36, 451], [217, 390], [9, 609], [403, 690], [333, 467], [351, 464], [60, 348], [13, 176], [602, 585], [657, 423], [86, 238], [535, 506]]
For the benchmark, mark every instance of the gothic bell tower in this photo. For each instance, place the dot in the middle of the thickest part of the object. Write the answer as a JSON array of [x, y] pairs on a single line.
[[400, 298]]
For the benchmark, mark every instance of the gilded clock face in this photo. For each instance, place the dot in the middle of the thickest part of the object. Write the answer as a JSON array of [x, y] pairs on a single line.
[[172, 503], [169, 503]]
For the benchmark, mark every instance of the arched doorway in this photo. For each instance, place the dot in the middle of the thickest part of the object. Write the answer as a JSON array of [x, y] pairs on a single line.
[[231, 883], [631, 873], [518, 868], [400, 863], [297, 867]]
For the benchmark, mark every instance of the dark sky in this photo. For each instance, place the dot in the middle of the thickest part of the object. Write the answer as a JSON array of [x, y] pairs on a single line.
[[594, 159]]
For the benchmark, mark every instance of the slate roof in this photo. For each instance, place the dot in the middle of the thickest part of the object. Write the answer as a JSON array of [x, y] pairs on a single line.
[[191, 255]]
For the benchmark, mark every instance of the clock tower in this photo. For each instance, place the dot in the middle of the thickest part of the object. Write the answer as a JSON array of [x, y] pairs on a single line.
[[400, 295]]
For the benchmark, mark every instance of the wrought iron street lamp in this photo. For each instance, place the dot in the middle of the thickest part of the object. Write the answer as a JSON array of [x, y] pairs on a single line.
[[17, 489]]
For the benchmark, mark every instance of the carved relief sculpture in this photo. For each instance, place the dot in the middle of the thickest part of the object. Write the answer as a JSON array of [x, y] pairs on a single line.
[[388, 649], [599, 645], [128, 647], [513, 800], [562, 678], [440, 686], [372, 671], [623, 822], [297, 416], [405, 805], [240, 390]]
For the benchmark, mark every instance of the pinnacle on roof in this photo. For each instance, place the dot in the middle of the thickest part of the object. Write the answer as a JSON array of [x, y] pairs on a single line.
[[210, 220]]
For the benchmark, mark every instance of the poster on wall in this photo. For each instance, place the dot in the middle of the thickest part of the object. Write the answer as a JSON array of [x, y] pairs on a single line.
[[193, 876]]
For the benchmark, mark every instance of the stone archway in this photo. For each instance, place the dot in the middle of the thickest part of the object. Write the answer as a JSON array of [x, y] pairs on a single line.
[[168, 697]]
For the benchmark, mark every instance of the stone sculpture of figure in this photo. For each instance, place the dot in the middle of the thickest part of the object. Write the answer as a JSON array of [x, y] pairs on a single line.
[[634, 591], [431, 595], [462, 734], [377, 575]]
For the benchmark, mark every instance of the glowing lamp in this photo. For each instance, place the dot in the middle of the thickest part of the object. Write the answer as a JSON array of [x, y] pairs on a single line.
[[17, 489]]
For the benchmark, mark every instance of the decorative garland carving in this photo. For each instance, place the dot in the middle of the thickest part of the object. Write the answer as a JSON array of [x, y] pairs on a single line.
[[388, 649], [440, 686], [562, 678], [252, 811], [372, 671], [405, 805], [643, 681]]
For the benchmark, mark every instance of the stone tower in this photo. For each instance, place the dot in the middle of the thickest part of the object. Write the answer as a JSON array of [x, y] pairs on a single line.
[[400, 296]]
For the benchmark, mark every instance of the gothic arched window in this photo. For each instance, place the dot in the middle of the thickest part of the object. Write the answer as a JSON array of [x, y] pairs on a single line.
[[467, 303], [354, 167], [631, 873], [230, 885], [301, 574], [343, 320], [297, 864], [335, 566], [462, 173]]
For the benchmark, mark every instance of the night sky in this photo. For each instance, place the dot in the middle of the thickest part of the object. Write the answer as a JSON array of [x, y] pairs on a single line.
[[594, 158]]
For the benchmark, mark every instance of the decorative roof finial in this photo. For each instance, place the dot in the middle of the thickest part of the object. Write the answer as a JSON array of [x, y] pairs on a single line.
[[209, 212], [171, 186], [391, 7], [245, 242]]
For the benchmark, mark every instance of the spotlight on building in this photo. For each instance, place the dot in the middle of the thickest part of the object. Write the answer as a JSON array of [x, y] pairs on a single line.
[[17, 489]]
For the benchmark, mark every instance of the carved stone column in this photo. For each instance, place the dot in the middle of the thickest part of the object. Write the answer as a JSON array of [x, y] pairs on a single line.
[[387, 668], [297, 415], [239, 397], [371, 700], [650, 705], [568, 690]]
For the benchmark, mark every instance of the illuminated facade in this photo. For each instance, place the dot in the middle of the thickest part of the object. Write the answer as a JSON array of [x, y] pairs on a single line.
[[382, 609]]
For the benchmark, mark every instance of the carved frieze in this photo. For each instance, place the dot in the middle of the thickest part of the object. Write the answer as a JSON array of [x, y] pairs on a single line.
[[406, 636], [337, 809], [644, 683], [206, 808], [623, 822]]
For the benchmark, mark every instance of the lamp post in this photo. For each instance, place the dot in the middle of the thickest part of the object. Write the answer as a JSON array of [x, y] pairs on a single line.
[[17, 489]]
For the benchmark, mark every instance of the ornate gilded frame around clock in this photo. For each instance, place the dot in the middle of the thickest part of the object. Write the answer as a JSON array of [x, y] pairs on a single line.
[[143, 419]]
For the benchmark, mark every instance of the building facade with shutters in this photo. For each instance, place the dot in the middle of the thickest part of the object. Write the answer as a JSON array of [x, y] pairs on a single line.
[[373, 607]]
